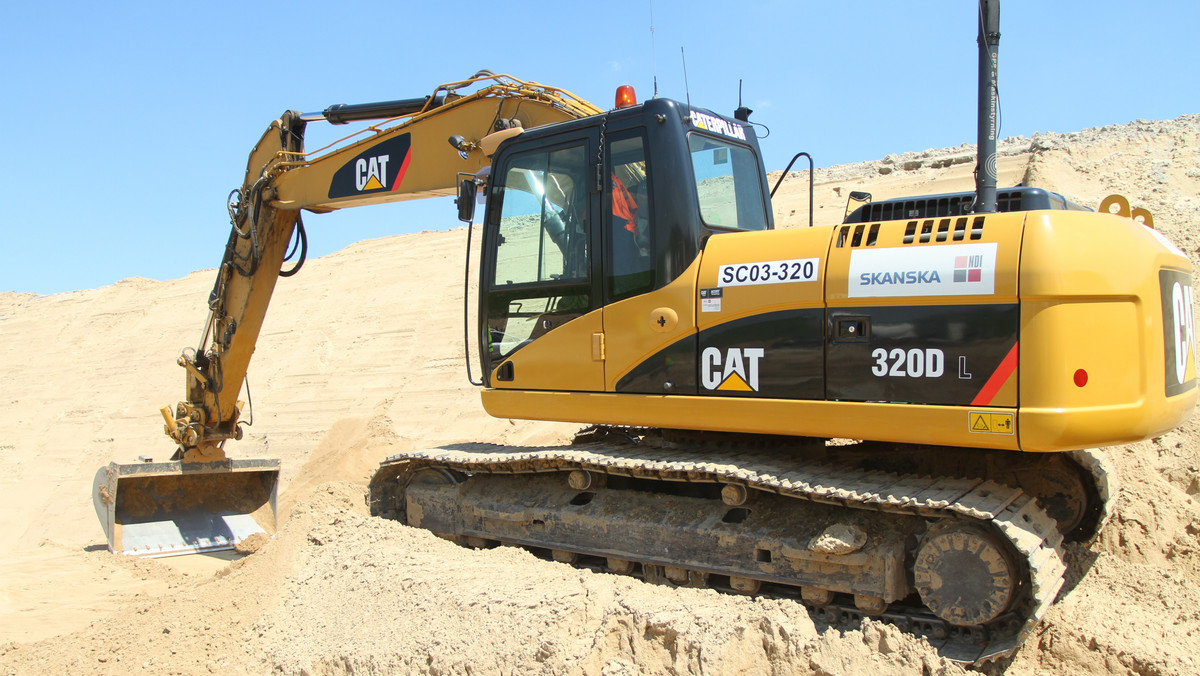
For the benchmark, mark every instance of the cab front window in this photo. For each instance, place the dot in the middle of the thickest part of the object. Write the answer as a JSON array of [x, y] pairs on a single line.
[[542, 260]]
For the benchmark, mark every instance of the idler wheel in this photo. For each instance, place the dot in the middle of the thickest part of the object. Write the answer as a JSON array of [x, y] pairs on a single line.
[[964, 573], [1064, 491]]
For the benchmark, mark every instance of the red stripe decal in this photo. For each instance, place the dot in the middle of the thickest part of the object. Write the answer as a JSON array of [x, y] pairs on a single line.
[[998, 379], [403, 168]]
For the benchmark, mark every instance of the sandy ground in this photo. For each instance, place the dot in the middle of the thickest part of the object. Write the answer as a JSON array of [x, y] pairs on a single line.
[[362, 357]]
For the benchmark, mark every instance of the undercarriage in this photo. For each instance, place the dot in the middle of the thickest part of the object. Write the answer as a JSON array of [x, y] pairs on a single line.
[[967, 561]]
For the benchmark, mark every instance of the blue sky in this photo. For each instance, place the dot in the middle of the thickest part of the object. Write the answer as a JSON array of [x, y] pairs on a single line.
[[127, 124]]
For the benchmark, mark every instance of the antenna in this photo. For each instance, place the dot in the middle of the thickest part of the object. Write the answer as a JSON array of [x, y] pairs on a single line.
[[687, 90], [653, 52], [742, 113]]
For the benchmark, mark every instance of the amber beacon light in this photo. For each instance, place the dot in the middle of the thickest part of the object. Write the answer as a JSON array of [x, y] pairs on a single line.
[[626, 97]]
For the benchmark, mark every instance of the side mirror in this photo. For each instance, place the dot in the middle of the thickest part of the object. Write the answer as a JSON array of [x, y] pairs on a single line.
[[863, 198], [466, 200]]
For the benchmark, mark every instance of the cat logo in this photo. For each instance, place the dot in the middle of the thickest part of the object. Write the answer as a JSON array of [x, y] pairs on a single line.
[[718, 125], [1179, 331], [379, 168], [734, 371], [371, 173], [1181, 335]]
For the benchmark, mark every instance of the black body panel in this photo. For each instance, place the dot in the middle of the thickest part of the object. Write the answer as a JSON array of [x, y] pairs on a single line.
[[777, 355], [670, 371], [932, 354]]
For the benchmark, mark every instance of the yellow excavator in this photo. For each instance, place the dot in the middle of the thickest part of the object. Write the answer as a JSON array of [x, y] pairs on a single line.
[[895, 417]]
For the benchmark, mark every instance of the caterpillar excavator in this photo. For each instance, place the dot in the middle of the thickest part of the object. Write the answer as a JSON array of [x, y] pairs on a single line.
[[898, 416]]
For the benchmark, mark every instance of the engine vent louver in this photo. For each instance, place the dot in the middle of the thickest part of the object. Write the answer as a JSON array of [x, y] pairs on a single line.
[[954, 230], [856, 234], [951, 205]]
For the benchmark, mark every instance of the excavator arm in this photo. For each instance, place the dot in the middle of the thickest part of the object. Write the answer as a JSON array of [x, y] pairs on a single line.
[[200, 500], [407, 157]]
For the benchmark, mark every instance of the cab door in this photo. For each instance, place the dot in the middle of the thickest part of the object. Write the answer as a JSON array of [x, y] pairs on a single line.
[[649, 323], [540, 295]]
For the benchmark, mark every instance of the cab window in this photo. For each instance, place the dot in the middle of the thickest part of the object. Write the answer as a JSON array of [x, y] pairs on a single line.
[[543, 230], [727, 184], [541, 271], [629, 266]]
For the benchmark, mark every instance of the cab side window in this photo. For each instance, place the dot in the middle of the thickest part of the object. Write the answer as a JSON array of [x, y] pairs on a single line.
[[629, 267], [541, 275], [727, 184]]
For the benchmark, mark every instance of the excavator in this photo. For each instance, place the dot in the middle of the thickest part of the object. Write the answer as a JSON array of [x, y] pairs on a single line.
[[898, 416]]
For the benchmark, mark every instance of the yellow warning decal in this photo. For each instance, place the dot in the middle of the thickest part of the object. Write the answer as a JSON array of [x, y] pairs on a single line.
[[984, 422]]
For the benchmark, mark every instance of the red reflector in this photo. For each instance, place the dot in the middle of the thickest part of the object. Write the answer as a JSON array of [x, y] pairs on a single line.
[[626, 96], [1080, 378]]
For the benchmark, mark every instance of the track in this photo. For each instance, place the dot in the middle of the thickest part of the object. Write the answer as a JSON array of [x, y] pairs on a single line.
[[1014, 534], [1103, 477]]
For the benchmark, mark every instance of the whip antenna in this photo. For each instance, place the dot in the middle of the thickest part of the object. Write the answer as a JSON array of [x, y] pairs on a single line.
[[686, 89], [653, 52]]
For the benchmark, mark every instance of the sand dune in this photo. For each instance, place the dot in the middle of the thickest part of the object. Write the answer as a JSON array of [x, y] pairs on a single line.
[[361, 357]]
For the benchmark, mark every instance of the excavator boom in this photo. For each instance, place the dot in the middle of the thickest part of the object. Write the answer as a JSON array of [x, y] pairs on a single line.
[[200, 500]]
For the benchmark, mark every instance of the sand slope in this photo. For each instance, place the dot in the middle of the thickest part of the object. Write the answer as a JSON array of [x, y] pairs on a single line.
[[362, 356]]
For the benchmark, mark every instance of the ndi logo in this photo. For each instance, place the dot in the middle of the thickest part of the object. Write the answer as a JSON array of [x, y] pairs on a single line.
[[968, 268]]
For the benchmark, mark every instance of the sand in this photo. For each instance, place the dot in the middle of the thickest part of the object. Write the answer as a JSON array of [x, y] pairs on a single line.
[[361, 357]]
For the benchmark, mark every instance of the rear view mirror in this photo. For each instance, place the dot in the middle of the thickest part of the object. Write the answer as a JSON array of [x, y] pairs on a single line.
[[466, 200]]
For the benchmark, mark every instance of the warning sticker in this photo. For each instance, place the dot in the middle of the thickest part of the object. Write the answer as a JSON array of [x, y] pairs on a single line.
[[710, 300], [984, 422]]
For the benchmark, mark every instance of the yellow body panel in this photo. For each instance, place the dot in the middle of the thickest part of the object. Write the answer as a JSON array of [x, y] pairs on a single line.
[[638, 327], [901, 423], [752, 248], [1001, 231], [1087, 368], [561, 359], [1105, 320]]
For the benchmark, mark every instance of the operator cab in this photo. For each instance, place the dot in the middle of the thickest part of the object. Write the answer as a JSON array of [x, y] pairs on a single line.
[[592, 211]]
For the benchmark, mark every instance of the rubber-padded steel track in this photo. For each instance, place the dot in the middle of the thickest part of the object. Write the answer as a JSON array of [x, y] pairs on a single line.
[[1032, 535], [1104, 479]]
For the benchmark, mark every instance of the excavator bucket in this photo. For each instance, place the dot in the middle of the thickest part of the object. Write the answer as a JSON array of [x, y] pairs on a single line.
[[155, 509]]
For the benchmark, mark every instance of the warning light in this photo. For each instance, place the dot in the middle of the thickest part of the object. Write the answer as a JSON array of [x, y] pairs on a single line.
[[626, 96], [1080, 378]]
